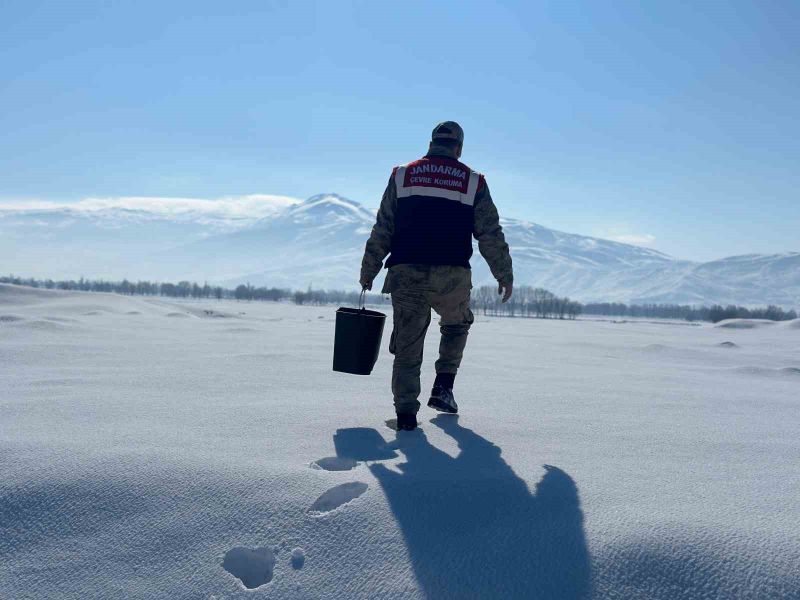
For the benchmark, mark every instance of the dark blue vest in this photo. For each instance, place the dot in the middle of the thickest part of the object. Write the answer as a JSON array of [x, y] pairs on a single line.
[[435, 212]]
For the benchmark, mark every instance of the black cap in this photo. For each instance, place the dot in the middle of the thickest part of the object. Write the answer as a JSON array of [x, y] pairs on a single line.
[[449, 130]]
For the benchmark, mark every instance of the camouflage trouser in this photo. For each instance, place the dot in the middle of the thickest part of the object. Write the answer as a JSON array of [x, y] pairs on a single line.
[[415, 289]]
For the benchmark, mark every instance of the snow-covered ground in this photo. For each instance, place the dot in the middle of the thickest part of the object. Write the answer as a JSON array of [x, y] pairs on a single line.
[[150, 449]]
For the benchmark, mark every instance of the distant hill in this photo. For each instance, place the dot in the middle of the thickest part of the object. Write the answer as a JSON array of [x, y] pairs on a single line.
[[280, 241]]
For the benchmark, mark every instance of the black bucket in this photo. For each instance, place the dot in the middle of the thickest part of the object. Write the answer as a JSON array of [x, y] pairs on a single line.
[[358, 340]]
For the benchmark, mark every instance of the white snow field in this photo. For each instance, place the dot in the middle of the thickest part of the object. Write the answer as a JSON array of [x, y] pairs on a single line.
[[154, 449]]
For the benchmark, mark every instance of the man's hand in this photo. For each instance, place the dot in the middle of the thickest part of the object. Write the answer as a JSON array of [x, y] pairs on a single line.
[[506, 290], [365, 284]]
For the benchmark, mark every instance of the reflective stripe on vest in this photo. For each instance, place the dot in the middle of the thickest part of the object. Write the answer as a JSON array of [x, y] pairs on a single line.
[[437, 191]]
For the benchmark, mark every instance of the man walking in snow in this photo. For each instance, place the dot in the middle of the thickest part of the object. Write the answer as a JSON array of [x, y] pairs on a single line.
[[430, 210]]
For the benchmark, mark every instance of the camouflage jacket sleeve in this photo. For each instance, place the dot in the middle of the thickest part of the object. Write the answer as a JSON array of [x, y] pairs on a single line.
[[491, 240], [379, 243]]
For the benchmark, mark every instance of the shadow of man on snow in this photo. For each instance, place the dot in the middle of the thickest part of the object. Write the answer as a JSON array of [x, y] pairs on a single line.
[[472, 527]]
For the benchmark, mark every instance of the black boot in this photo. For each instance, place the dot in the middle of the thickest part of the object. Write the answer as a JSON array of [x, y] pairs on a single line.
[[406, 421], [442, 398]]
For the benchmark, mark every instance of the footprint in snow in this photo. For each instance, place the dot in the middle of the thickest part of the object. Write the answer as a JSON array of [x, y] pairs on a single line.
[[336, 497], [256, 567], [335, 463], [253, 568], [298, 558]]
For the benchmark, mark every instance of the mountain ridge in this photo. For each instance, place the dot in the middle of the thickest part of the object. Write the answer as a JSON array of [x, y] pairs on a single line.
[[282, 241]]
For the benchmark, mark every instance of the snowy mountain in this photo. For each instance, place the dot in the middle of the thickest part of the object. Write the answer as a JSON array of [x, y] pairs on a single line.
[[281, 241], [317, 242], [597, 270], [109, 237]]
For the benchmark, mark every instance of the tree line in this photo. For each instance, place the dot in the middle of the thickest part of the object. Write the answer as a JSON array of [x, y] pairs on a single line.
[[188, 289], [714, 313], [526, 302], [310, 296]]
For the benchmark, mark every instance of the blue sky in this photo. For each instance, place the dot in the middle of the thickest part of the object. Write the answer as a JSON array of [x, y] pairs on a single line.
[[673, 124]]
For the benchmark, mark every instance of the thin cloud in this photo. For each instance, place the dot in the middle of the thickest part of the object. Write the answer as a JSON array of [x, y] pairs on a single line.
[[253, 206], [637, 239]]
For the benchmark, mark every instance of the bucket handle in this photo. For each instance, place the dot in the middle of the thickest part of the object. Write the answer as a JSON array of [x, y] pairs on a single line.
[[362, 299]]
